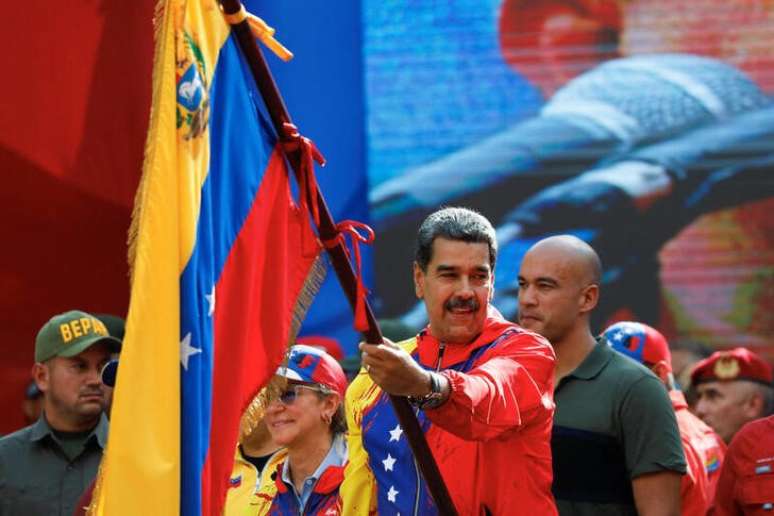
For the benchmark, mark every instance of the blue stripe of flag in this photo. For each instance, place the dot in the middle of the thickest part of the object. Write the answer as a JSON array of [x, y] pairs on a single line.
[[241, 144]]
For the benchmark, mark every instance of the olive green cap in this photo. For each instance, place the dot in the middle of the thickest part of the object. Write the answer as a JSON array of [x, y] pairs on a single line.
[[71, 333]]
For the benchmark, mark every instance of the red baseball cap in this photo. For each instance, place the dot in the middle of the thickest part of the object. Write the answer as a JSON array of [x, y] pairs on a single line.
[[732, 364], [640, 342], [309, 364]]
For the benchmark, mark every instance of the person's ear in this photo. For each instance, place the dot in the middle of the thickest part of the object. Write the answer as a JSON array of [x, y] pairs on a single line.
[[662, 370], [330, 405], [419, 281], [589, 298], [40, 374], [754, 405]]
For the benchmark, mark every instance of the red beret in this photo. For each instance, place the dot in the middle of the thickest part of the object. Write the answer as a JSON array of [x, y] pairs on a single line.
[[732, 364]]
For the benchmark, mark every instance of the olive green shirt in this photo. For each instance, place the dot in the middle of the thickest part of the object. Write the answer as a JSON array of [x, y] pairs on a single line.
[[36, 475], [613, 422]]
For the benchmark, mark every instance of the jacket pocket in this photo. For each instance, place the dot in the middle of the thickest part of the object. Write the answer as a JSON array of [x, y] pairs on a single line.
[[756, 494]]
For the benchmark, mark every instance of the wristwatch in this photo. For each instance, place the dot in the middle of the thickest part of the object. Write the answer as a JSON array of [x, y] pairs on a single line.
[[432, 399]]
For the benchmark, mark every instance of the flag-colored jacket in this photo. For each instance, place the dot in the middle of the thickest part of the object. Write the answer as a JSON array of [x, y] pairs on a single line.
[[491, 438], [277, 499]]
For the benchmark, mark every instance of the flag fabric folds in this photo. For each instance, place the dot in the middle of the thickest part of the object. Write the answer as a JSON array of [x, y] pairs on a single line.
[[224, 264]]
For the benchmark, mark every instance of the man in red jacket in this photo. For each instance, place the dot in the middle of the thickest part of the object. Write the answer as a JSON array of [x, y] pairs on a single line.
[[704, 449], [746, 485], [482, 388]]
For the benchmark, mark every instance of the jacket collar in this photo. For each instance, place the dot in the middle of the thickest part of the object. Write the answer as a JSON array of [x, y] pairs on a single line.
[[429, 346]]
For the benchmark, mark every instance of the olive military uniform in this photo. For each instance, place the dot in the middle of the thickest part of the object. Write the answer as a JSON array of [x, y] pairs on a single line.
[[44, 472]]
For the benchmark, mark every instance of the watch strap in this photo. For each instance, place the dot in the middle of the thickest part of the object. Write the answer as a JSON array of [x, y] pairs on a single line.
[[432, 399]]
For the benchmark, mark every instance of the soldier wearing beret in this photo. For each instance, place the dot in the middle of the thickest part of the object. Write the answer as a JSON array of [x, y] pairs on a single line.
[[733, 387]]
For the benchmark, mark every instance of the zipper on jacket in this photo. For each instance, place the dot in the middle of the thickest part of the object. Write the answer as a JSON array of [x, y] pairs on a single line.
[[441, 349]]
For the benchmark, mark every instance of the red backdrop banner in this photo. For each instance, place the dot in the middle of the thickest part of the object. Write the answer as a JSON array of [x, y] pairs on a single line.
[[76, 99]]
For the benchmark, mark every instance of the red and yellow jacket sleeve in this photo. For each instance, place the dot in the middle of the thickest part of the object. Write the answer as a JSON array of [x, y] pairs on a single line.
[[513, 382]]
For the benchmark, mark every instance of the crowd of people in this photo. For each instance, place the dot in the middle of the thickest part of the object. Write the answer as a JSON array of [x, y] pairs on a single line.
[[537, 417]]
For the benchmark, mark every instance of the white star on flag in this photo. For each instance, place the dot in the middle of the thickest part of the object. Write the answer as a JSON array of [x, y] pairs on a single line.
[[392, 494], [389, 462], [395, 433], [211, 301], [186, 350]]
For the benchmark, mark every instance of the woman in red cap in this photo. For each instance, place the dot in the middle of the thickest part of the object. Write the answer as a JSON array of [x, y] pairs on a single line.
[[307, 418]]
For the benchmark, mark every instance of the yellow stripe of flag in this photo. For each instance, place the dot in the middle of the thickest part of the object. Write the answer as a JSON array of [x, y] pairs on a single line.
[[140, 473]]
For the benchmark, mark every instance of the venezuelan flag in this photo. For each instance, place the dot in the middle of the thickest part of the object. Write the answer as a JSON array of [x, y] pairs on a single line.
[[224, 264]]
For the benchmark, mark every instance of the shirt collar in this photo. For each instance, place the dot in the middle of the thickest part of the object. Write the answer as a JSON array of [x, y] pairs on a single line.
[[336, 457], [41, 429], [594, 362], [101, 431]]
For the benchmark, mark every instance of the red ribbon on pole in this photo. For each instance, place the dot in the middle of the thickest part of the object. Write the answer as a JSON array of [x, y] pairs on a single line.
[[292, 141], [350, 228]]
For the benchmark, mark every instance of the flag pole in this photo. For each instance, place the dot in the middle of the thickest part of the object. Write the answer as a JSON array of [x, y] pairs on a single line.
[[339, 257]]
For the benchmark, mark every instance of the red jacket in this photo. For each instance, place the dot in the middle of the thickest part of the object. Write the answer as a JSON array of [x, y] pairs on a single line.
[[704, 452], [746, 484], [491, 438]]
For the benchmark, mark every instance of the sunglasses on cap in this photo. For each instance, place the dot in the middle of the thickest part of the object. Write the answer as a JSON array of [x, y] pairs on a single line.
[[289, 395]]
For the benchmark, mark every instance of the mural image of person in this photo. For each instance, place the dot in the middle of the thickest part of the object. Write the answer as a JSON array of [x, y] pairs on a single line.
[[620, 78]]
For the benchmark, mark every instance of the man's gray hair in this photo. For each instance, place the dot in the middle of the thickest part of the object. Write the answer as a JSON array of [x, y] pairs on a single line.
[[454, 223]]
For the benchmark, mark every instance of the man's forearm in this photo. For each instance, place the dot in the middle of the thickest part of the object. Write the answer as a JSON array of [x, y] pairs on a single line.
[[657, 494]]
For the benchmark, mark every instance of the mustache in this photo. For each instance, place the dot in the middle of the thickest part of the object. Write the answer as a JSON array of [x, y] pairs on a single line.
[[92, 392], [469, 304]]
